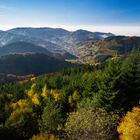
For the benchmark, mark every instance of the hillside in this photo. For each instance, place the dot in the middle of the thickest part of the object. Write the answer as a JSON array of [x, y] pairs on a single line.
[[7, 37], [54, 35], [88, 98], [80, 36], [89, 47], [100, 50], [55, 39], [24, 64], [22, 47]]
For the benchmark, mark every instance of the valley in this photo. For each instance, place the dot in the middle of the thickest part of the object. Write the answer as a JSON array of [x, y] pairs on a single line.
[[54, 82]]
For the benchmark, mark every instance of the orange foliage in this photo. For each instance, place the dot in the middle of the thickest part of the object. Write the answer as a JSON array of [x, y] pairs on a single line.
[[35, 99]]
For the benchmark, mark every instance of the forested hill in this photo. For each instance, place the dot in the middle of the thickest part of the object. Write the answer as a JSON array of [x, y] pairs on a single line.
[[100, 50], [22, 47], [98, 102], [31, 63]]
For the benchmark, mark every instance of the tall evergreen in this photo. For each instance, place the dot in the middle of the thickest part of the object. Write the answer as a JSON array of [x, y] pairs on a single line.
[[107, 93], [129, 82]]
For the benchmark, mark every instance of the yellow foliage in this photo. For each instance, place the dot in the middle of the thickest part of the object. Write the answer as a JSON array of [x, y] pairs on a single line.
[[44, 92], [31, 91], [56, 95], [129, 128], [35, 99], [23, 103], [14, 105], [33, 78], [32, 95], [33, 86], [20, 103], [51, 92], [44, 136], [18, 113]]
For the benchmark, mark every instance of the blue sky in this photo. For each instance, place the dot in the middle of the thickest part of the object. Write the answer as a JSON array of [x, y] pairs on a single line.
[[118, 16]]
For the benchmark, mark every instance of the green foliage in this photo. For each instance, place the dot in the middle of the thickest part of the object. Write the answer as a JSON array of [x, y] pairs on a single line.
[[129, 82], [107, 93], [32, 63], [86, 98], [119, 88], [51, 119], [90, 83], [21, 120], [102, 58], [74, 99]]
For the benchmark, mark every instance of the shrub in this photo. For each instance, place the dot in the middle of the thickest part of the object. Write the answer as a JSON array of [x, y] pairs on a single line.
[[90, 123]]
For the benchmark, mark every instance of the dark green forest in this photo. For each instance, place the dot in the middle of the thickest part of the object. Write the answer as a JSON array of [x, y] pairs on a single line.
[[31, 63], [82, 103]]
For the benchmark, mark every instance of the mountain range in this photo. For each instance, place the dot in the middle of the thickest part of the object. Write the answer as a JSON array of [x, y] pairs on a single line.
[[55, 46], [54, 40]]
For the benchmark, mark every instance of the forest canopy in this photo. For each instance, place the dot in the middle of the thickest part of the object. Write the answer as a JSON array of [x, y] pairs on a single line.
[[86, 102]]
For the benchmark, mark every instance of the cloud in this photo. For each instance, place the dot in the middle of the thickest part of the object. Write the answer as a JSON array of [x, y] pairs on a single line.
[[129, 30]]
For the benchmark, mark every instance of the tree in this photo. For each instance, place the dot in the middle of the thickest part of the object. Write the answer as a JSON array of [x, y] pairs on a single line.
[[90, 82], [51, 119], [44, 93], [74, 99], [129, 127], [91, 123], [24, 122], [119, 89], [106, 97], [129, 83]]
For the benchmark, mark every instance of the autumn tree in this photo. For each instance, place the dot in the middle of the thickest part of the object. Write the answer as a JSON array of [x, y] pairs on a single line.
[[44, 136], [23, 121], [129, 127]]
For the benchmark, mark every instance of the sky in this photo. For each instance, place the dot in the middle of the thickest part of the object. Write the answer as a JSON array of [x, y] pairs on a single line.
[[121, 17]]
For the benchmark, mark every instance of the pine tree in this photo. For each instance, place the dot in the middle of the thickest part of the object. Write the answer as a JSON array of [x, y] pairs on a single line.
[[129, 82], [106, 96]]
